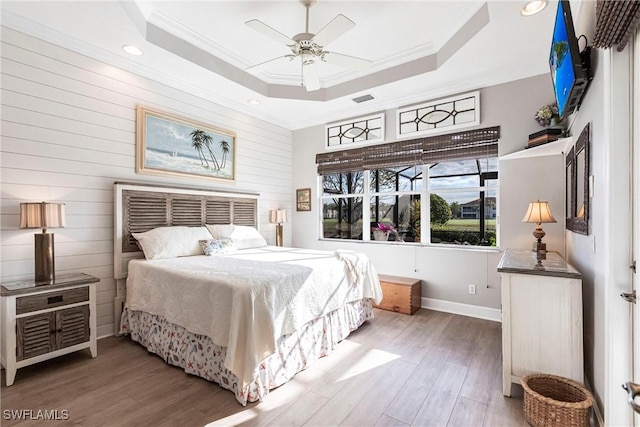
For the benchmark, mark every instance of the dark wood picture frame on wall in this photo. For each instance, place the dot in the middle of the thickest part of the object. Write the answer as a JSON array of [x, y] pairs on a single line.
[[577, 193], [569, 172], [303, 199]]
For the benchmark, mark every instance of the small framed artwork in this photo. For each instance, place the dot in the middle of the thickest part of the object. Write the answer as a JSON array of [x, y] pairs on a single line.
[[303, 199], [169, 145]]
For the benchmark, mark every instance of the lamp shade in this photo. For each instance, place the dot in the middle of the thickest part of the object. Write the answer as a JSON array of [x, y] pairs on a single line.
[[42, 215], [539, 212], [278, 216]]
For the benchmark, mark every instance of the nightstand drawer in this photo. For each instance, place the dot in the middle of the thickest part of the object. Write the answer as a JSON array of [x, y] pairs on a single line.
[[43, 301]]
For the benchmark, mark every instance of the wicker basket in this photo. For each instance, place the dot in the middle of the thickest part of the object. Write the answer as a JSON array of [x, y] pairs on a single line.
[[550, 400]]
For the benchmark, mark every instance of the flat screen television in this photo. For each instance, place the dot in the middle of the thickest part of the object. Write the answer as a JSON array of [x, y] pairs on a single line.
[[568, 74]]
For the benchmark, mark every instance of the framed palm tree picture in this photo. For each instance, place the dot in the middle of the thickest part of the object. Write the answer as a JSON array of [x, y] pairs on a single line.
[[170, 145]]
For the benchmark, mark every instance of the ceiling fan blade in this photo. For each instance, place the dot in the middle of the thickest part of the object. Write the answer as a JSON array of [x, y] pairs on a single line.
[[346, 60], [334, 29], [261, 66], [310, 76], [268, 31]]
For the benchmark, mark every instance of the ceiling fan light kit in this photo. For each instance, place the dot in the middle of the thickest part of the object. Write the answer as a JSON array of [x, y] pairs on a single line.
[[309, 47]]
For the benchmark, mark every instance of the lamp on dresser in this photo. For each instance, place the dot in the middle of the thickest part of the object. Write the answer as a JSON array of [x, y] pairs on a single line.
[[278, 217], [539, 212], [43, 215]]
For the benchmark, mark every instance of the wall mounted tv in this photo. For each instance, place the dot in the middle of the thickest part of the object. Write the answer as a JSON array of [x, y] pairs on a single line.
[[569, 68]]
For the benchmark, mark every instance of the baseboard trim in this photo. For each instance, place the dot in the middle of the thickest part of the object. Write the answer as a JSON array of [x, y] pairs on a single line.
[[477, 311], [105, 331], [595, 407]]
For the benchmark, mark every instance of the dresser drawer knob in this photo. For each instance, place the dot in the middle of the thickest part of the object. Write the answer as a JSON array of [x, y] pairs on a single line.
[[56, 299]]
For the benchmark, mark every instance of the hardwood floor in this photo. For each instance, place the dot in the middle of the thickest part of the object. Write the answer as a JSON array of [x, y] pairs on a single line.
[[429, 369]]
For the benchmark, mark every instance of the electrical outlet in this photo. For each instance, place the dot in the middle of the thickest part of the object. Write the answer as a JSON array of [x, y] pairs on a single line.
[[472, 289]]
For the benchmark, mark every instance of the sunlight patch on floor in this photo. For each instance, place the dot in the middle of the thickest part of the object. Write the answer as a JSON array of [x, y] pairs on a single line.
[[236, 419], [360, 360], [371, 359]]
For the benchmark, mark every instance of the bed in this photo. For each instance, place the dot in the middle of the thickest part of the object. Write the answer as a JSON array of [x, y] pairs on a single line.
[[248, 316]]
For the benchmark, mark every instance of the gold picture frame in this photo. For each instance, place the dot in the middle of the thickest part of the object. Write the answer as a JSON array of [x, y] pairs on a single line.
[[170, 145], [303, 199]]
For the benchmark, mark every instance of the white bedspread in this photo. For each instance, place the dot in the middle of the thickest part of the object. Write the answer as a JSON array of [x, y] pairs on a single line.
[[247, 300]]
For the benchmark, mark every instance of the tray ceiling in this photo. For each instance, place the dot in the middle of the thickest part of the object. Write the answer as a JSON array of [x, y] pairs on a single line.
[[421, 50]]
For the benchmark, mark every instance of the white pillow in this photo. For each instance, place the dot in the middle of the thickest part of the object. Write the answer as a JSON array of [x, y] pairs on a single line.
[[243, 237], [220, 231], [171, 242]]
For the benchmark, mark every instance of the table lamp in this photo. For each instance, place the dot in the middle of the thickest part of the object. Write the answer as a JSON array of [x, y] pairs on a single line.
[[43, 215], [539, 213], [278, 217]]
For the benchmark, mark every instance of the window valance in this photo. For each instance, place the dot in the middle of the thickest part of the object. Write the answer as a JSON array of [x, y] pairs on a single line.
[[469, 144], [616, 22]]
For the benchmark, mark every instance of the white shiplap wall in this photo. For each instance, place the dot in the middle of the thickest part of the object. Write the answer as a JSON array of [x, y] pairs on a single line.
[[68, 133]]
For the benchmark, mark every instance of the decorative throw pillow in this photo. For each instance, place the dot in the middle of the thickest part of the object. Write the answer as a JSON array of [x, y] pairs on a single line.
[[244, 237], [171, 242], [217, 246]]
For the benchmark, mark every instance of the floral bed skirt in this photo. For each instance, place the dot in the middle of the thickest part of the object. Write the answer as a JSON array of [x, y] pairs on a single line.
[[198, 355]]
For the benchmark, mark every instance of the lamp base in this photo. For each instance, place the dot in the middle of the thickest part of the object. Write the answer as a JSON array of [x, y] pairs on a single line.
[[279, 234], [540, 250], [539, 247], [44, 258]]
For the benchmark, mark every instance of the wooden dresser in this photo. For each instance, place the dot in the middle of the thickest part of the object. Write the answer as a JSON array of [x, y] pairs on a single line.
[[400, 294], [43, 321], [541, 317]]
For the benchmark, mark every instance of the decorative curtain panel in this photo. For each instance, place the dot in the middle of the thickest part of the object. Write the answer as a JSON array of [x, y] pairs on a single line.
[[616, 22], [470, 144]]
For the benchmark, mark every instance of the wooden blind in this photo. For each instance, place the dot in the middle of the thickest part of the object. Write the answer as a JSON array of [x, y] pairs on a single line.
[[143, 211], [471, 144], [453, 146], [616, 22], [341, 161], [400, 153]]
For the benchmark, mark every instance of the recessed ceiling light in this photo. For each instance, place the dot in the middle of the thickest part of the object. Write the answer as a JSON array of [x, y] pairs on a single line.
[[533, 6], [131, 49], [253, 101]]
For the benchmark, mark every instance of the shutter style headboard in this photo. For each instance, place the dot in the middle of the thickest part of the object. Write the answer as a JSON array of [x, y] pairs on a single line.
[[142, 207]]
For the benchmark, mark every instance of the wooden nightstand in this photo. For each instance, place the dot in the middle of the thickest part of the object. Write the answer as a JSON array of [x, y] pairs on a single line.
[[541, 317], [43, 321]]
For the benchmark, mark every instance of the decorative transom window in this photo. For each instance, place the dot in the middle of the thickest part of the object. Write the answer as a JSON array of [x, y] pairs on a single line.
[[355, 132], [444, 114]]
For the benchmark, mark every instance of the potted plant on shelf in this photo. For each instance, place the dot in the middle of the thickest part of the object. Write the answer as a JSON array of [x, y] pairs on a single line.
[[381, 231], [547, 115]]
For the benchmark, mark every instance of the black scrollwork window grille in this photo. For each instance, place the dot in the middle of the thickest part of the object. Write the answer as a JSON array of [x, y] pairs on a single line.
[[448, 113], [358, 131]]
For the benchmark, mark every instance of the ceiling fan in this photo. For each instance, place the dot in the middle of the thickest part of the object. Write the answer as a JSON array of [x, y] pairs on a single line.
[[310, 47]]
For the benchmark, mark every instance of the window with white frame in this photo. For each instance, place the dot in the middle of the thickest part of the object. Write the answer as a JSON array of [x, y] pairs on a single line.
[[462, 195]]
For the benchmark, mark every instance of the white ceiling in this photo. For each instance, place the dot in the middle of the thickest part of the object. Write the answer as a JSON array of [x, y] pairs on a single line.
[[421, 50]]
